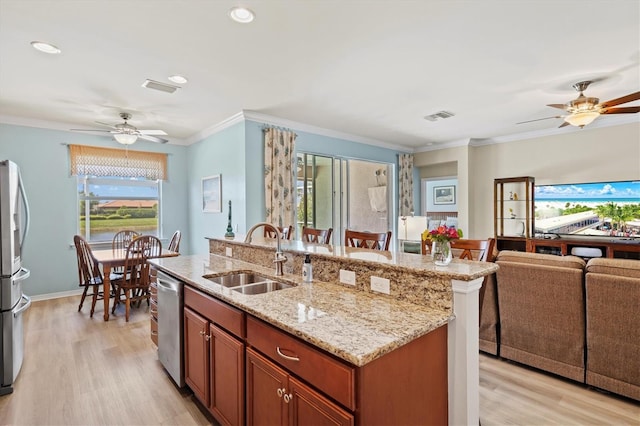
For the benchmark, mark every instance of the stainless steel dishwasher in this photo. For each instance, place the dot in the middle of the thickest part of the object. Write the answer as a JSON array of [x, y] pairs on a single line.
[[170, 326]]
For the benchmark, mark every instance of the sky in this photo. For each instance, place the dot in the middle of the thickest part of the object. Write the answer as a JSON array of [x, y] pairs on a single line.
[[583, 191]]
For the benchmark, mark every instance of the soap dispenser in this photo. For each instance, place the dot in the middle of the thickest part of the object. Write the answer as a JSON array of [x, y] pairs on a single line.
[[307, 269]]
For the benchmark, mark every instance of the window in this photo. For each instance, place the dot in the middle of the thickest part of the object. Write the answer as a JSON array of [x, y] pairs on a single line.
[[117, 189], [107, 205]]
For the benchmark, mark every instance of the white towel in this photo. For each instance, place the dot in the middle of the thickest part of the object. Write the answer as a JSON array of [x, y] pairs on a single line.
[[378, 198]]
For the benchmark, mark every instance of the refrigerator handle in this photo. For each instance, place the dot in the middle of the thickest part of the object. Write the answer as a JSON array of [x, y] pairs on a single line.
[[22, 275], [26, 210], [23, 307]]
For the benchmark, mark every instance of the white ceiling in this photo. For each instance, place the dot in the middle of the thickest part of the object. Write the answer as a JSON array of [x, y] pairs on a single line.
[[372, 69]]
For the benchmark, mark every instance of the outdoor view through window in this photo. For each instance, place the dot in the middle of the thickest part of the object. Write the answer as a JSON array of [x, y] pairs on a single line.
[[605, 208], [108, 205]]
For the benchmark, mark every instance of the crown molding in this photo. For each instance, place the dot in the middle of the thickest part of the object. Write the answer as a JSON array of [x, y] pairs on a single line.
[[444, 145], [302, 127], [212, 130]]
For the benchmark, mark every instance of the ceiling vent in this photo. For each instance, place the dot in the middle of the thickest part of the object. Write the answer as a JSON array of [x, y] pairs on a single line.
[[156, 85], [440, 115]]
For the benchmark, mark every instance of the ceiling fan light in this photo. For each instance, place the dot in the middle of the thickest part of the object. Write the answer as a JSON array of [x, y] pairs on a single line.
[[581, 119], [125, 138]]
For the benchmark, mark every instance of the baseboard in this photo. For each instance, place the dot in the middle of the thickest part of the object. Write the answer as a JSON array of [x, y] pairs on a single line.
[[58, 295]]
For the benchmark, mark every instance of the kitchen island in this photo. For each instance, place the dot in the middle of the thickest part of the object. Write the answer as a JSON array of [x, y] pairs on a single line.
[[352, 323]]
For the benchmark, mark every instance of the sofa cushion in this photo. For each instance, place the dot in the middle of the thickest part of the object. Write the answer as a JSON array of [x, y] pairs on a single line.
[[620, 267], [541, 259]]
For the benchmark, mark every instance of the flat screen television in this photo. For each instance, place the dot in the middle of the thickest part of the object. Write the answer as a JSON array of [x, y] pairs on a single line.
[[595, 209]]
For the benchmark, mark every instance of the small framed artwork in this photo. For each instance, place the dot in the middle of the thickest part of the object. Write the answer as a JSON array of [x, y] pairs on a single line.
[[444, 194], [211, 197]]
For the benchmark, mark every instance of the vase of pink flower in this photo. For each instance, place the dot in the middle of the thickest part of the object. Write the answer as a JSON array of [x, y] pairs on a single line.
[[441, 246]]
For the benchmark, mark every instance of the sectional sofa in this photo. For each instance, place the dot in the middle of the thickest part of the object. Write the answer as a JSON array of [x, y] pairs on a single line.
[[576, 319]]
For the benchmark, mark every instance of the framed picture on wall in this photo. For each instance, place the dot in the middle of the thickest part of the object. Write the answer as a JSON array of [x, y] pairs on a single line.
[[444, 194], [211, 197]]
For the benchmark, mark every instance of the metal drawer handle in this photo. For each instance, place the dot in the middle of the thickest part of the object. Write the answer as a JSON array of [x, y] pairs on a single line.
[[287, 397], [290, 358], [280, 392]]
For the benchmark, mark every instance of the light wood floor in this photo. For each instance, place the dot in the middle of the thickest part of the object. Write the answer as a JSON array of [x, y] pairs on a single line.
[[83, 371]]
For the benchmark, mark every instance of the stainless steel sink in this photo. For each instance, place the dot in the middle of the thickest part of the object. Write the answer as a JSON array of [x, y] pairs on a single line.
[[239, 279], [248, 283], [260, 288]]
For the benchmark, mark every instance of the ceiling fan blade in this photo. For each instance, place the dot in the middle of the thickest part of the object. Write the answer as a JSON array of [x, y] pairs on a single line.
[[623, 100], [566, 123], [153, 132], [152, 138], [106, 124], [89, 130], [539, 119], [623, 110], [559, 106]]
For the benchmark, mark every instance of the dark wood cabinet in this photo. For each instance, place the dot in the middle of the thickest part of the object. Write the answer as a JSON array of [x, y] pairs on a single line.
[[196, 359], [226, 377], [274, 397], [246, 371], [214, 358]]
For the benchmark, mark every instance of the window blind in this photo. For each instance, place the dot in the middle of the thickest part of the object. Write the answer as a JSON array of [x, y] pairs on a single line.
[[97, 161]]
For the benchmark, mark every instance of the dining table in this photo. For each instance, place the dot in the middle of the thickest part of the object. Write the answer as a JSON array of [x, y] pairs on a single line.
[[113, 258]]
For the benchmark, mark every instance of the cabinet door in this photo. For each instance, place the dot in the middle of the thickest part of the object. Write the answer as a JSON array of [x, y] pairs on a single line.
[[227, 377], [308, 407], [266, 386], [196, 356]]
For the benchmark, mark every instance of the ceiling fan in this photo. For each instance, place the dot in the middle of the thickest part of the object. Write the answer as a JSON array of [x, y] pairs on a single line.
[[126, 134], [583, 110]]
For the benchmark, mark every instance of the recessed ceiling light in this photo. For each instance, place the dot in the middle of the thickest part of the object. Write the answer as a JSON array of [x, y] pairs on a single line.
[[178, 79], [241, 14], [45, 47]]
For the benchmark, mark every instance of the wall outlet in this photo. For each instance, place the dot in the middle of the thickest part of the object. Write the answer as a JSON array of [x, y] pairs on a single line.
[[347, 277], [381, 285], [229, 252]]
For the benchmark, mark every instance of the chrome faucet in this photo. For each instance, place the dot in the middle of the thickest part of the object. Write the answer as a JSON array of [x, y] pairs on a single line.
[[280, 257]]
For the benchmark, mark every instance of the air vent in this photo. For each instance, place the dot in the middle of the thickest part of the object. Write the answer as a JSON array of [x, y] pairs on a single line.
[[440, 115], [156, 85]]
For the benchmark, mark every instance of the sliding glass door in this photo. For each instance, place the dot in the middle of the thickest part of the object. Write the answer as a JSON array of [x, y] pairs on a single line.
[[343, 193]]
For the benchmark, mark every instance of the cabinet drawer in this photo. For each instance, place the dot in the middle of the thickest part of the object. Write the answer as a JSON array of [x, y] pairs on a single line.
[[154, 330], [227, 317], [331, 376]]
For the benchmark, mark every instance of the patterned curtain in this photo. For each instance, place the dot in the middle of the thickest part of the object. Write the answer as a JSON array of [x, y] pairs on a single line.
[[405, 184], [279, 183]]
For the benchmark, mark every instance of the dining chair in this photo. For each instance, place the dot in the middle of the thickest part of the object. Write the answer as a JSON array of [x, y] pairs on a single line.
[[89, 274], [121, 241], [135, 285], [174, 244], [285, 232], [369, 240], [315, 235]]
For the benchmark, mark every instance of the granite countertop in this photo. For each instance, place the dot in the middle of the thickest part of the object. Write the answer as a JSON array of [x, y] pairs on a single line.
[[356, 326]]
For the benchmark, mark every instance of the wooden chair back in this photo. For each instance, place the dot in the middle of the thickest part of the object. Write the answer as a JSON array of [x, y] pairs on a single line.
[[174, 244], [315, 235], [89, 274], [122, 239], [369, 240], [467, 248], [135, 285], [285, 233]]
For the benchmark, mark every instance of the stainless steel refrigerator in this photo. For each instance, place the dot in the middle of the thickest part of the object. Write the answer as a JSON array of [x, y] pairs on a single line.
[[14, 225]]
